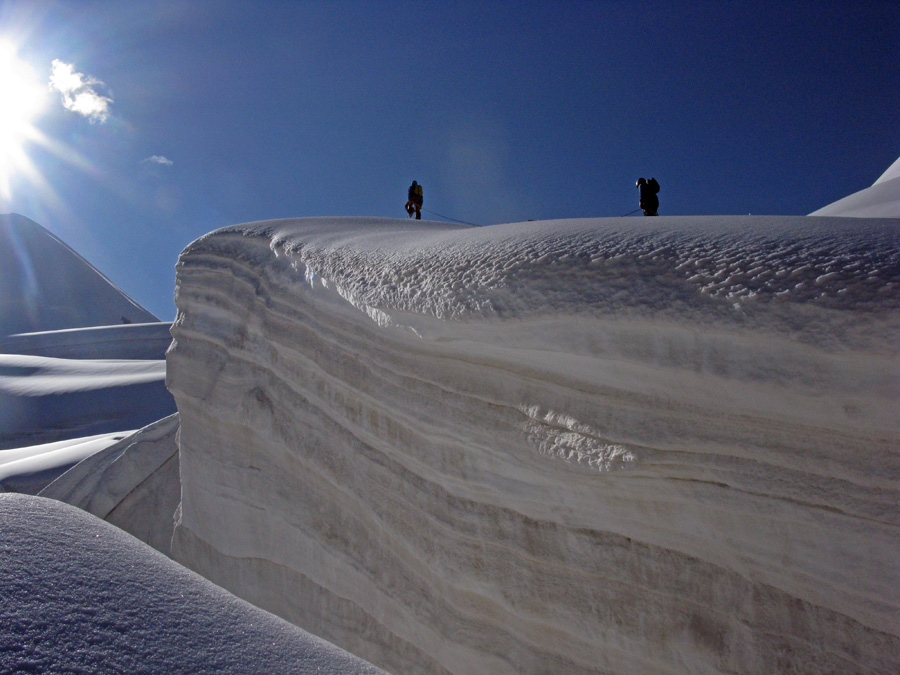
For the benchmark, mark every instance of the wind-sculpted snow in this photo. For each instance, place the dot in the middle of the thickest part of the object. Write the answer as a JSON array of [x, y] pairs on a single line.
[[45, 399], [30, 469], [671, 266], [619, 445], [134, 341]]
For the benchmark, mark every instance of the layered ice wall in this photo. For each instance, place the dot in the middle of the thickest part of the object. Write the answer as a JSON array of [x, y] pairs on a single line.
[[623, 445]]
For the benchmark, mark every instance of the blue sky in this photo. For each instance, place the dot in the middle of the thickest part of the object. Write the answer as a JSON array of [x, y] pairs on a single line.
[[196, 115]]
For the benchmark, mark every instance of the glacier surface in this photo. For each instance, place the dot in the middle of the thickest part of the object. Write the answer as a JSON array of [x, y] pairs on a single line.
[[603, 445]]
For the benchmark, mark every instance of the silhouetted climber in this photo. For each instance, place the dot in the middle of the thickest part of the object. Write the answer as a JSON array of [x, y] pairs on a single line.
[[414, 205], [649, 201]]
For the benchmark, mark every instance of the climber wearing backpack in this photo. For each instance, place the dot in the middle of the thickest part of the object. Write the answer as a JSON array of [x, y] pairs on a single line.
[[414, 205], [649, 201]]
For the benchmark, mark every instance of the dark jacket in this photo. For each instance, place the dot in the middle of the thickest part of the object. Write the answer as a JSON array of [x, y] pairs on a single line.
[[649, 201]]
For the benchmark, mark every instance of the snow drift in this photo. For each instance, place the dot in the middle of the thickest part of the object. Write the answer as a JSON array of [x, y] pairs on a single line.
[[613, 445], [45, 400], [82, 597]]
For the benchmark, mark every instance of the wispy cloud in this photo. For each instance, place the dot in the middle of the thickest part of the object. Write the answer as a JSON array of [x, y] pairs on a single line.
[[80, 92], [157, 159]]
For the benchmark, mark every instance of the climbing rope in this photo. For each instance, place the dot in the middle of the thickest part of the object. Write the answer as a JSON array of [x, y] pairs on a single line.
[[464, 222]]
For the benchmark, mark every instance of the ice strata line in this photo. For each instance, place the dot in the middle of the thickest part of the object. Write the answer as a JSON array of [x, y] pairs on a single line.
[[570, 446]]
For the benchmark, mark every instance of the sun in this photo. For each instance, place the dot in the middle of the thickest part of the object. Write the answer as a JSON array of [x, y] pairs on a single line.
[[22, 99]]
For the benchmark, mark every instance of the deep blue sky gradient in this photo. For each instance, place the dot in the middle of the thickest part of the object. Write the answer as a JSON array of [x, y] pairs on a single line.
[[504, 111]]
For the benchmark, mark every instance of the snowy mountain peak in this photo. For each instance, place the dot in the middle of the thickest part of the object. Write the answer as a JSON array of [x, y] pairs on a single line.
[[45, 285], [880, 200], [892, 172]]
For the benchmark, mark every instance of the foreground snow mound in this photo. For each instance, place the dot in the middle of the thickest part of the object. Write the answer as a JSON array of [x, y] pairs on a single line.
[[81, 596], [133, 484], [880, 200], [45, 285], [622, 445]]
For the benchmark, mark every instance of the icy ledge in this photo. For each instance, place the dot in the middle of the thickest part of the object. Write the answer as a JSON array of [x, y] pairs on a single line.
[[615, 445]]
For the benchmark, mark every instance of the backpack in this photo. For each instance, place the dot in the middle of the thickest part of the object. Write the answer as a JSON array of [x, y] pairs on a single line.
[[653, 185], [417, 190]]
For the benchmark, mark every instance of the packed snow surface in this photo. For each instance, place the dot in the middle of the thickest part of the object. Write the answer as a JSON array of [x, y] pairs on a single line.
[[30, 468], [621, 445], [80, 596], [141, 341]]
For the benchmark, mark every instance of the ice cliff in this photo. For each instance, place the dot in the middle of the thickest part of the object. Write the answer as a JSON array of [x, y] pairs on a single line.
[[613, 445]]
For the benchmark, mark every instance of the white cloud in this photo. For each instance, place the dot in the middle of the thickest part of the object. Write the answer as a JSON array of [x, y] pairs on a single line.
[[158, 159], [79, 92]]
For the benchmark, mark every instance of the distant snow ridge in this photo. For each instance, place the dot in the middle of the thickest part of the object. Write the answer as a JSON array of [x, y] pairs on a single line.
[[614, 445], [78, 357], [45, 399], [880, 200], [45, 285]]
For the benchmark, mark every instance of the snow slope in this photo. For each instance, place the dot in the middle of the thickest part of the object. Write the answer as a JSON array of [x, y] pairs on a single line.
[[142, 341], [620, 445], [45, 285], [82, 597], [880, 200]]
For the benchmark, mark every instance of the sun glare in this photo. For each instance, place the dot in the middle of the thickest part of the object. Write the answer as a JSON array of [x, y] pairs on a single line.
[[22, 97]]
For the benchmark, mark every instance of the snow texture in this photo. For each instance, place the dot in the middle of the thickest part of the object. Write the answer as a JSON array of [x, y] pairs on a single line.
[[142, 341], [606, 445], [880, 200], [79, 596]]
